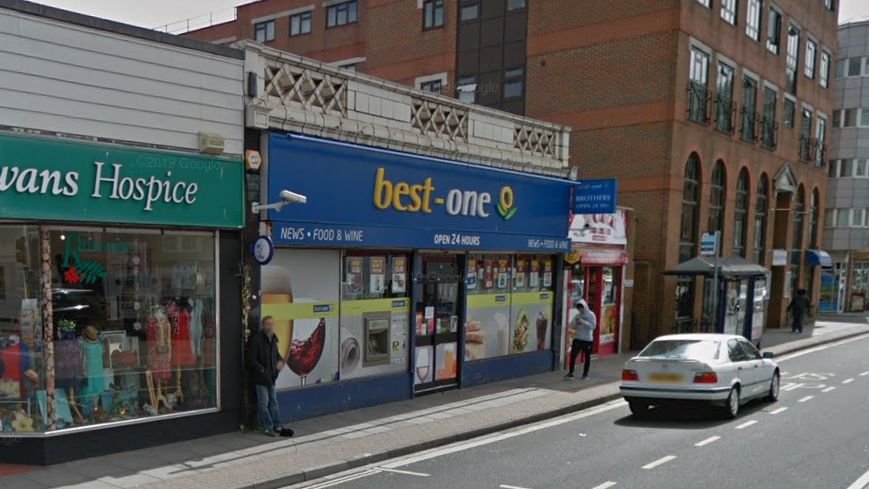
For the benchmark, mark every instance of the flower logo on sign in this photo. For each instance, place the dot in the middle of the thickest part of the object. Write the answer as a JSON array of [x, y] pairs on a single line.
[[505, 203]]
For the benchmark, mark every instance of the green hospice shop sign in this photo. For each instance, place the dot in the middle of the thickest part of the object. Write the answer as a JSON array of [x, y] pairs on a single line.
[[51, 179]]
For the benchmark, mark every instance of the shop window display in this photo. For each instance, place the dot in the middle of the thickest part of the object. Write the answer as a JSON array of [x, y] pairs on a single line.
[[510, 302], [117, 325], [326, 336]]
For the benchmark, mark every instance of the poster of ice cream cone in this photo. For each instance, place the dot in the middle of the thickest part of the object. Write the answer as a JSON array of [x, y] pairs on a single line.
[[300, 291]]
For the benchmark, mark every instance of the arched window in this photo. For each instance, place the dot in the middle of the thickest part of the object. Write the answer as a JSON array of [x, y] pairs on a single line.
[[716, 198], [761, 207], [740, 214], [814, 211], [690, 211]]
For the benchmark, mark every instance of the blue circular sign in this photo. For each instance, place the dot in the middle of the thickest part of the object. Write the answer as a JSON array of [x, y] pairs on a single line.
[[263, 250]]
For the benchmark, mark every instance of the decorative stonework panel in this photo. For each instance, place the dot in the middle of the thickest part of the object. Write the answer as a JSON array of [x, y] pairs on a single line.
[[442, 121], [302, 88], [535, 141]]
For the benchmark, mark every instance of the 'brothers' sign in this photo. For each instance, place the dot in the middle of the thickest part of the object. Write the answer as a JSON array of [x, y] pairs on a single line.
[[51, 179]]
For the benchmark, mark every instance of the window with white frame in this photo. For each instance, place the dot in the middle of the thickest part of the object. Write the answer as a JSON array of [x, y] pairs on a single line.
[[752, 19], [861, 169], [850, 118], [467, 89], [264, 31], [728, 11], [829, 218], [705, 3], [864, 117], [811, 55], [855, 67], [824, 77], [846, 168], [858, 218], [434, 86], [843, 218], [830, 5], [773, 32], [792, 58], [821, 136]]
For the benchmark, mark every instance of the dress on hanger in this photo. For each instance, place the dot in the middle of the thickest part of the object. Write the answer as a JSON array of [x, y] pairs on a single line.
[[182, 350], [69, 355], [158, 332]]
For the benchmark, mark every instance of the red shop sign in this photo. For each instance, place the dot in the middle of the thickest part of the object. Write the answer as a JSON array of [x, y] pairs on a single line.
[[604, 258]]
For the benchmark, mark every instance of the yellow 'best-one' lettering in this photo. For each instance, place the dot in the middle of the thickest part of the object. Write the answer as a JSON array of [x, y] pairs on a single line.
[[387, 194]]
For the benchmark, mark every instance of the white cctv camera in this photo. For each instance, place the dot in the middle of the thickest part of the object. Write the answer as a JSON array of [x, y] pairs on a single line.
[[292, 197], [287, 197]]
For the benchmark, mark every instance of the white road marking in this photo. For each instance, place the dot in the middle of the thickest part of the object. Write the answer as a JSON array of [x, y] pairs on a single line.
[[502, 486], [746, 425], [779, 410], [860, 483], [440, 452], [828, 389], [707, 441], [659, 462], [404, 472], [847, 381], [605, 485], [864, 374], [342, 480], [822, 347], [807, 398]]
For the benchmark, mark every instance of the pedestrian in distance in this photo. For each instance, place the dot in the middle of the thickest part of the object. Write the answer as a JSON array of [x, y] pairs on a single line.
[[799, 308], [265, 363], [584, 324]]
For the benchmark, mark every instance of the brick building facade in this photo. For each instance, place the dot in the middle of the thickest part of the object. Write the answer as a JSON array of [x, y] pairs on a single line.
[[711, 113]]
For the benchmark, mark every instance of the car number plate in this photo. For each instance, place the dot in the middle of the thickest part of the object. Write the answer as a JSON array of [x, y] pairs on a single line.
[[665, 378]]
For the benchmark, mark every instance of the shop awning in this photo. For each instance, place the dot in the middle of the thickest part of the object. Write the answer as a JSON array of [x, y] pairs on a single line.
[[727, 267], [818, 258]]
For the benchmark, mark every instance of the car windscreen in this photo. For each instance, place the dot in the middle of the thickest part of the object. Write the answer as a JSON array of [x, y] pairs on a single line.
[[682, 350]]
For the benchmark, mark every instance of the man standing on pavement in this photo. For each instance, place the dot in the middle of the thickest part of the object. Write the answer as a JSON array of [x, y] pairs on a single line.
[[265, 363], [584, 324], [799, 307]]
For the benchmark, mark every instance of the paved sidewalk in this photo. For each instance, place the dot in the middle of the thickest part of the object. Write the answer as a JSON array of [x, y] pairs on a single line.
[[335, 443]]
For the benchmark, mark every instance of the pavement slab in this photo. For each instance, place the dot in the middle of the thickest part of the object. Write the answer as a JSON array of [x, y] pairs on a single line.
[[332, 444]]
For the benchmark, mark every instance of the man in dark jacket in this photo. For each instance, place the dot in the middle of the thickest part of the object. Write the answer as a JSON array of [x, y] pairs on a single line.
[[799, 307], [265, 363]]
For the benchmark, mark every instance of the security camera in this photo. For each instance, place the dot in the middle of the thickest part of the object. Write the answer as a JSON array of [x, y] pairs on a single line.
[[292, 197]]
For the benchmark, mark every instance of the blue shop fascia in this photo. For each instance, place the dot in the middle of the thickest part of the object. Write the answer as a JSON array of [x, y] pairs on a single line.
[[403, 275]]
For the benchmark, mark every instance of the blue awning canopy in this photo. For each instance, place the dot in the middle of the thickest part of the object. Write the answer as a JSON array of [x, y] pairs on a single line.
[[818, 258]]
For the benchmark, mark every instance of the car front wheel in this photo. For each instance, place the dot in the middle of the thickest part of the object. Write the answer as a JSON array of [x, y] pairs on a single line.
[[731, 407], [639, 410], [774, 387]]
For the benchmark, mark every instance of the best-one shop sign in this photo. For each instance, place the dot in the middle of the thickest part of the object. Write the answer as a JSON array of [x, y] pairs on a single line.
[[366, 197], [54, 179]]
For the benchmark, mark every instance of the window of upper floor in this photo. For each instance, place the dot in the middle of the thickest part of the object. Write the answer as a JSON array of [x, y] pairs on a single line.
[[848, 67], [515, 5], [848, 168], [264, 31], [824, 75], [300, 24], [728, 11], [469, 10], [342, 13], [433, 14], [705, 3], [753, 13], [773, 32]]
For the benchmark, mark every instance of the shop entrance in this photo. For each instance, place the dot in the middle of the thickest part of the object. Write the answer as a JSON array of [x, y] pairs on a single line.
[[438, 312]]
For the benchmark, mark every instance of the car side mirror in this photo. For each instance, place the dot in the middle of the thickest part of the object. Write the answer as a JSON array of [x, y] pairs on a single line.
[[768, 355]]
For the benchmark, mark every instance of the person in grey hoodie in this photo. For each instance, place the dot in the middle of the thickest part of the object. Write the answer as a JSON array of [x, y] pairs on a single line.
[[584, 323]]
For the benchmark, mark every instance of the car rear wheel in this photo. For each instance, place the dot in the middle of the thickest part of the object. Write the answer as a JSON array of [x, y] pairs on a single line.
[[731, 407], [774, 387], [638, 409]]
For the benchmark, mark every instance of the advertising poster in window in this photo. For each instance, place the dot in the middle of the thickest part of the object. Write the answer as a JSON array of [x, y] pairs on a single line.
[[471, 281], [547, 273], [531, 317], [534, 277], [487, 327], [399, 275], [353, 280], [373, 337], [377, 276], [447, 362], [424, 371], [300, 290]]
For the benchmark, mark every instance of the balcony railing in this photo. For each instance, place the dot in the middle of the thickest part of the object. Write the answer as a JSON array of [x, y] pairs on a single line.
[[808, 147], [725, 114], [698, 103], [749, 130], [769, 133]]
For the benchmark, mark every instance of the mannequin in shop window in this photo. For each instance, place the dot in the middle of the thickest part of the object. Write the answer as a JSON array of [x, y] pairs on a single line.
[[179, 312], [95, 383], [158, 332], [15, 366], [69, 364]]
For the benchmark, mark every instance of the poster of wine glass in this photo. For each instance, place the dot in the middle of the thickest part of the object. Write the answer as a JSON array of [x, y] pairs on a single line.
[[300, 291]]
